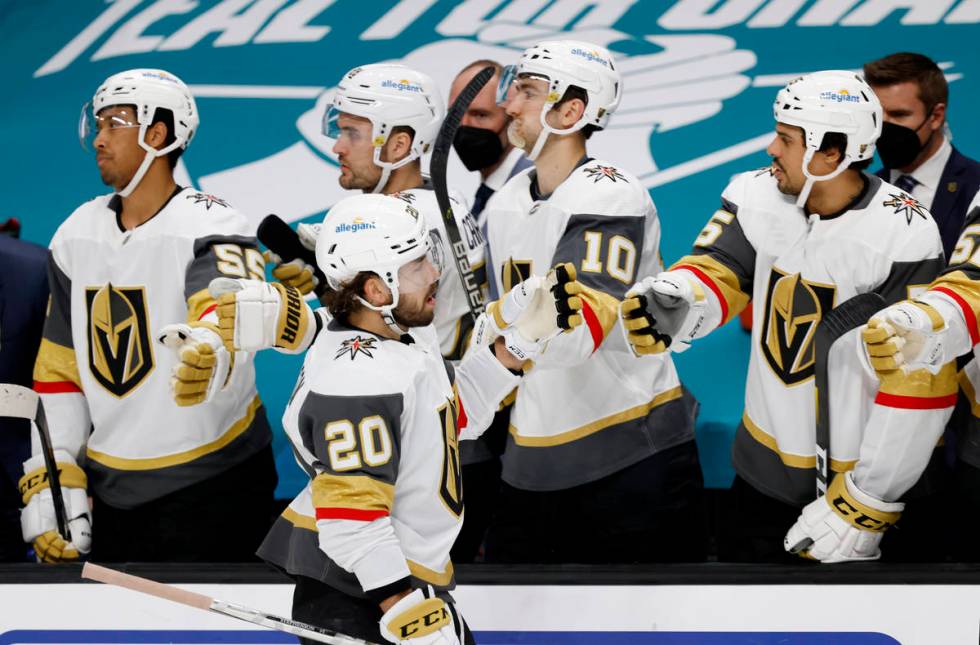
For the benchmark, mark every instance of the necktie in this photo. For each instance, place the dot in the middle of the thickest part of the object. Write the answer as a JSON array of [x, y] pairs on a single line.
[[906, 183], [480, 200]]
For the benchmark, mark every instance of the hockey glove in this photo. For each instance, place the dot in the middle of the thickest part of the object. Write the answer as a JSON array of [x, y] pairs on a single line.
[[536, 310], [662, 313], [38, 520], [844, 525], [254, 315], [295, 273], [204, 365], [908, 335], [422, 618]]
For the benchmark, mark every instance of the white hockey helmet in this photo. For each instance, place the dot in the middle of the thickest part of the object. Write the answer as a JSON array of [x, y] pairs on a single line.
[[831, 101], [388, 95], [564, 63], [376, 233], [148, 90]]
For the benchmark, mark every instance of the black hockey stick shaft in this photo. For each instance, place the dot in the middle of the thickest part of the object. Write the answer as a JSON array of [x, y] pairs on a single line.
[[848, 315], [54, 478], [281, 239], [437, 170], [19, 402]]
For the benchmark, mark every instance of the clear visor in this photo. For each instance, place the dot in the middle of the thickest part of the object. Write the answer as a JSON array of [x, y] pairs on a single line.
[[419, 275], [506, 84], [112, 117], [354, 134]]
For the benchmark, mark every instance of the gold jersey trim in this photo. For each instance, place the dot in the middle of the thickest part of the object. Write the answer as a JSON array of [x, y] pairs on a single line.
[[154, 463], [795, 461], [600, 424], [352, 491], [299, 520], [56, 363], [198, 303], [431, 576]]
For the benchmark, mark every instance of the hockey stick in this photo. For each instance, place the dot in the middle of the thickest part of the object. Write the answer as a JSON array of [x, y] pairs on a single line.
[[200, 601], [437, 170], [280, 238], [24, 403], [841, 319]]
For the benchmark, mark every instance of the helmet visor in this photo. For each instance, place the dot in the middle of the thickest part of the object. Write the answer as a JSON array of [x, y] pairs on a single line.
[[505, 86], [420, 274], [111, 117]]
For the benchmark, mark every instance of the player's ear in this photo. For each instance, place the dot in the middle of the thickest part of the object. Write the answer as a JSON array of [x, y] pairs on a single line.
[[398, 146], [376, 292], [156, 135]]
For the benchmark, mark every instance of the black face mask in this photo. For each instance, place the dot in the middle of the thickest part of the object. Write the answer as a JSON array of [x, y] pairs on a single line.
[[477, 147], [898, 146]]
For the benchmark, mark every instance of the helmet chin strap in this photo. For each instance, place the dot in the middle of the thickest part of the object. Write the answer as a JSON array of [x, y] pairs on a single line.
[[548, 130], [151, 154], [810, 178], [387, 312], [387, 167]]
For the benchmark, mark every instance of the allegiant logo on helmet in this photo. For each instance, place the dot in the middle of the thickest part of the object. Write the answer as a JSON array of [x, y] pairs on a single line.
[[160, 75], [403, 86], [357, 225], [590, 56], [840, 96]]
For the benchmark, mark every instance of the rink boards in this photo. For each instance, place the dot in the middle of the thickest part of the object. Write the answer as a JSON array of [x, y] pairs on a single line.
[[764, 605]]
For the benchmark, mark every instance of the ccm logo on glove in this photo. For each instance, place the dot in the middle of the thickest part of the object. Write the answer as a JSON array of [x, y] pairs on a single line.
[[858, 517], [424, 619]]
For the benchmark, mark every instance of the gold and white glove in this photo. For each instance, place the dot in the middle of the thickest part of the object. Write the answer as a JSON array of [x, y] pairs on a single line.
[[421, 618], [204, 364], [535, 311], [297, 273], [908, 335], [255, 315], [663, 313], [38, 521], [844, 525]]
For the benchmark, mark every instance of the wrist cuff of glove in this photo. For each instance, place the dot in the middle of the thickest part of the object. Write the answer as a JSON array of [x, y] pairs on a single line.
[[936, 318], [417, 615], [35, 477], [860, 509], [295, 318], [382, 593], [496, 317]]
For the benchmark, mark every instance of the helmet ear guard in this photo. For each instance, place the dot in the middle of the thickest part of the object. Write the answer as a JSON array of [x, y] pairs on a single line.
[[830, 101]]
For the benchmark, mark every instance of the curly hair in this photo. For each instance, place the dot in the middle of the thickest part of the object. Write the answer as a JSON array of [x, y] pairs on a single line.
[[343, 302]]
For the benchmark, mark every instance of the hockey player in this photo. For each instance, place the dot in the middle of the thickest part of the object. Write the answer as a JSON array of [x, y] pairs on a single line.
[[166, 480], [935, 327], [375, 421], [598, 438], [383, 118], [798, 238]]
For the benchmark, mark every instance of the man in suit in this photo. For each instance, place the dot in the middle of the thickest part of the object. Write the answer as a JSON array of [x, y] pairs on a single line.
[[23, 299], [483, 147], [914, 149]]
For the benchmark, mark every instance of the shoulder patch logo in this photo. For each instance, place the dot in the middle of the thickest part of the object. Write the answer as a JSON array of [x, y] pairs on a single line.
[[906, 205], [597, 172], [119, 349], [207, 200], [357, 345]]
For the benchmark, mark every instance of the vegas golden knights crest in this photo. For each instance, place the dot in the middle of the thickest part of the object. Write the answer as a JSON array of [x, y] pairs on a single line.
[[451, 488], [794, 308], [514, 272], [120, 354]]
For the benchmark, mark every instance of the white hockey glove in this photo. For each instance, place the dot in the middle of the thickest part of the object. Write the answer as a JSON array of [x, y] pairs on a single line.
[[535, 311], [663, 313], [254, 315], [37, 519], [204, 364], [297, 273], [908, 335], [421, 618], [844, 525]]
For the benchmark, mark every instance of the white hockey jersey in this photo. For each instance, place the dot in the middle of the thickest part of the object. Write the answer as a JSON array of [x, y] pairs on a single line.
[[374, 422], [100, 365], [588, 408], [452, 320], [795, 268]]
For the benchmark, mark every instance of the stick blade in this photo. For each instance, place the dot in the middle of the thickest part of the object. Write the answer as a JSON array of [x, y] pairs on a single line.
[[18, 401]]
